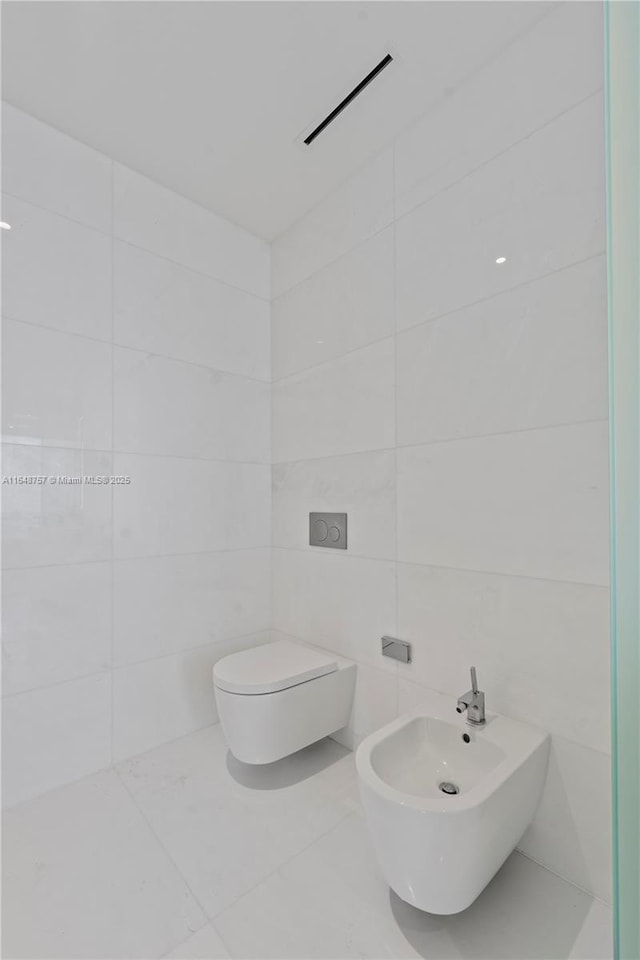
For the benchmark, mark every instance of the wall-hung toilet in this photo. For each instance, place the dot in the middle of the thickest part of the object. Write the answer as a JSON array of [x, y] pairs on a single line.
[[280, 697]]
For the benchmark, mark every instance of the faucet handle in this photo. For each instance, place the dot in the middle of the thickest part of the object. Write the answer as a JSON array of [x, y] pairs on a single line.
[[474, 680]]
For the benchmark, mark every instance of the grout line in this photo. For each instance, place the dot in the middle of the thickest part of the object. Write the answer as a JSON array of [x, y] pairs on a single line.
[[142, 556], [341, 256], [11, 442], [113, 531], [125, 346], [465, 176], [560, 876], [466, 80], [313, 553], [167, 854], [137, 246], [212, 917], [503, 293], [516, 143], [441, 316], [347, 813], [334, 557], [338, 357], [431, 443], [395, 428], [115, 668]]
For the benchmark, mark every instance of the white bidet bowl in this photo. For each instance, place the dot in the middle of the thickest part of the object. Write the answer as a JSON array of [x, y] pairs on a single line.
[[439, 848]]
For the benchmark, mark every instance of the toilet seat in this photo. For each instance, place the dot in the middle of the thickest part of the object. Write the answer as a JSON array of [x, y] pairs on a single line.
[[271, 667]]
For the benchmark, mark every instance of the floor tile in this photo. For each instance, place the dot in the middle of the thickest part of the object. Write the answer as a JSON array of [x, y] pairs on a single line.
[[228, 826], [330, 901], [206, 944], [84, 877]]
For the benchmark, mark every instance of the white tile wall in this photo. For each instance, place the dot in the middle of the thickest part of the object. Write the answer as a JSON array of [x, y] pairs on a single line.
[[53, 171], [571, 833], [159, 220], [339, 602], [53, 735], [57, 624], [361, 484], [164, 698], [55, 522], [165, 308], [355, 211], [176, 505], [540, 204], [57, 387], [470, 449], [533, 503], [342, 307], [166, 361], [73, 267], [536, 640], [530, 357], [168, 604], [182, 409], [342, 406], [502, 104]]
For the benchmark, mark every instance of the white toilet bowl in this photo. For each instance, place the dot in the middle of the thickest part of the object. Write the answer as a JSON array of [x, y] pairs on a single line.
[[280, 697]]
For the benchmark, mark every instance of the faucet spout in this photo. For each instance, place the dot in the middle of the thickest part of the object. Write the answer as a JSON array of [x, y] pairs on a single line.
[[473, 702]]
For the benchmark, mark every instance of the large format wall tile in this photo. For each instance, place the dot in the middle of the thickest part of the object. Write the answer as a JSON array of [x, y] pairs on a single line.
[[169, 309], [174, 408], [345, 306], [501, 105], [166, 698], [55, 522], [175, 505], [45, 167], [531, 357], [571, 833], [540, 205], [355, 211], [53, 735], [184, 398], [56, 624], [72, 265], [166, 604], [533, 503], [363, 485], [343, 603], [344, 406], [531, 640], [150, 216], [56, 388]]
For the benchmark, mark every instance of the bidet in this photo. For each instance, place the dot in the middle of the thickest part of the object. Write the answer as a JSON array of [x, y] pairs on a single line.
[[446, 803]]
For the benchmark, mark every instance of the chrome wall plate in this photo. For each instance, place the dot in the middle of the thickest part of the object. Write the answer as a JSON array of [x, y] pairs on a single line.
[[396, 649], [328, 530]]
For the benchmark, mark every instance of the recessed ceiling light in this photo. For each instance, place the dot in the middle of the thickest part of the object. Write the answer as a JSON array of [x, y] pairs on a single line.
[[501, 259], [4, 225], [319, 341]]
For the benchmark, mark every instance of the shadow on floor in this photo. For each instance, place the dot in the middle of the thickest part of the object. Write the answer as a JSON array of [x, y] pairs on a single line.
[[290, 770], [514, 918]]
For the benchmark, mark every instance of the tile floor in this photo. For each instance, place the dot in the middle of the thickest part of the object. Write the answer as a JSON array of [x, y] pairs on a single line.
[[183, 852]]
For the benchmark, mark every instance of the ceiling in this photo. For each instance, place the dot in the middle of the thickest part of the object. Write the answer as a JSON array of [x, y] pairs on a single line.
[[210, 98]]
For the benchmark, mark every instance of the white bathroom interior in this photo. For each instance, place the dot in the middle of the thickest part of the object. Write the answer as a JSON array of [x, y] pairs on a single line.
[[404, 321]]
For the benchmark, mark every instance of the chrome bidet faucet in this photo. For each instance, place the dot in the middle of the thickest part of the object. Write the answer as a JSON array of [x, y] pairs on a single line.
[[472, 702]]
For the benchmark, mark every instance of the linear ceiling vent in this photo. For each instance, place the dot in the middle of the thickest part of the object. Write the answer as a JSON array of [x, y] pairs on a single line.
[[357, 90]]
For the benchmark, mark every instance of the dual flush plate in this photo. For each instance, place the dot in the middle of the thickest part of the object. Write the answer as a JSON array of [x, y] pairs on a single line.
[[328, 530]]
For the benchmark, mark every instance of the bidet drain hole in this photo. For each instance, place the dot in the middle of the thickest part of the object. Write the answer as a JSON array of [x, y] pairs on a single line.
[[450, 788]]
